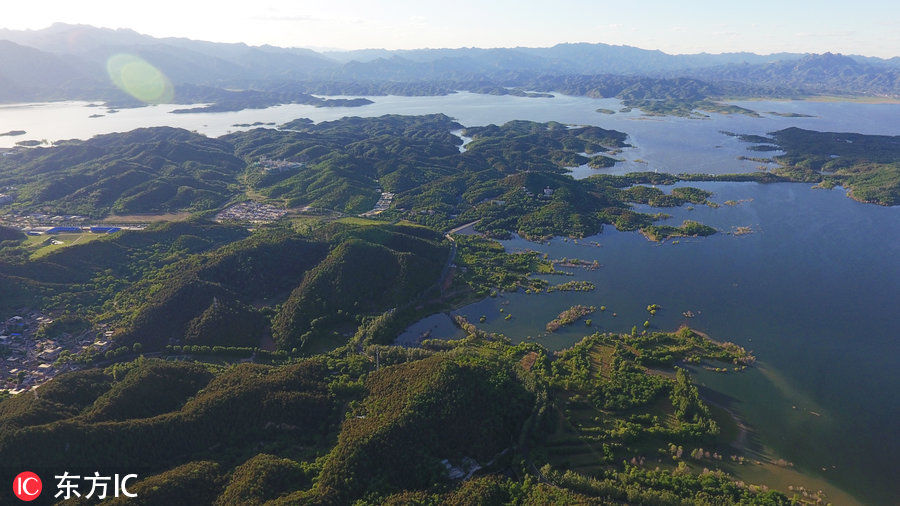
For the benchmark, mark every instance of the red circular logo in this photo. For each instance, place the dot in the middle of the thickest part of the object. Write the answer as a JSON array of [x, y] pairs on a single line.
[[27, 486]]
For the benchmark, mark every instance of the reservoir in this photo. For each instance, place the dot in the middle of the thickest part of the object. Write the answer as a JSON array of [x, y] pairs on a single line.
[[812, 289]]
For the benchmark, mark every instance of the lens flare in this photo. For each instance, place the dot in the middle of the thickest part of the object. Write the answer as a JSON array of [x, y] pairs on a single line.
[[135, 76]]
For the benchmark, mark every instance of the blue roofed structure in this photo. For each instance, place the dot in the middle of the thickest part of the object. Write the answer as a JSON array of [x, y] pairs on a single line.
[[105, 230], [60, 230]]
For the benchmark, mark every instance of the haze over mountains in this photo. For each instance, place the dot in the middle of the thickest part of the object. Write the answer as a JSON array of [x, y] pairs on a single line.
[[447, 300], [69, 62]]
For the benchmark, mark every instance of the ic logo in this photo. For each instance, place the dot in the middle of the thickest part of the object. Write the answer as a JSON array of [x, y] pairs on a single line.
[[27, 486]]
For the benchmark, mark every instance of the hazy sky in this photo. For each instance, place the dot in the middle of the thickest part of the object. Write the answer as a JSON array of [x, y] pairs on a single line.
[[866, 27]]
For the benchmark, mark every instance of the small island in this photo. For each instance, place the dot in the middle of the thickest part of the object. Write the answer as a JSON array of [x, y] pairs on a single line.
[[688, 228], [572, 286], [791, 114], [254, 124], [569, 316], [686, 108], [601, 162]]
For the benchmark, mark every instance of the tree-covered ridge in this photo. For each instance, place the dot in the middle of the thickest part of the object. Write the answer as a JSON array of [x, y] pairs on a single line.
[[368, 271], [344, 162], [869, 165], [512, 177], [84, 278], [198, 283], [477, 420], [338, 165], [542, 204], [479, 403], [539, 146], [146, 170], [237, 403]]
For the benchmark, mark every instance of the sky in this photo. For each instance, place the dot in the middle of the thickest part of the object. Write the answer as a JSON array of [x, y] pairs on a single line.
[[867, 27]]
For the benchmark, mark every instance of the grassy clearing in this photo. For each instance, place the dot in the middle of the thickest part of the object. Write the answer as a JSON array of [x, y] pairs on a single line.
[[306, 224], [352, 220], [601, 360], [45, 244]]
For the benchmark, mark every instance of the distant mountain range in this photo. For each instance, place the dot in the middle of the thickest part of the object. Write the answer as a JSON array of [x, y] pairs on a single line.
[[580, 58], [816, 72], [69, 62]]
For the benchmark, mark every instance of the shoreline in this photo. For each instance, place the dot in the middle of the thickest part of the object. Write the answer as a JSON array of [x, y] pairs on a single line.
[[856, 99]]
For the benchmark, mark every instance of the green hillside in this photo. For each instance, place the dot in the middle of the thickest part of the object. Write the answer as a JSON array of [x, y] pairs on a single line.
[[370, 271], [149, 170], [868, 165], [342, 427]]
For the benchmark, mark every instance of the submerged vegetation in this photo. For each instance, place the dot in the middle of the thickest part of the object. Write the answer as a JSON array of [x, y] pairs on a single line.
[[487, 267]]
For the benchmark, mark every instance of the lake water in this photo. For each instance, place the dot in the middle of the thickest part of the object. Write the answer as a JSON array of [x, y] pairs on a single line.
[[814, 289]]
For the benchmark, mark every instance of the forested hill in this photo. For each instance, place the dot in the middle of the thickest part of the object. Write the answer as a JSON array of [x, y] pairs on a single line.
[[304, 289], [868, 165], [198, 283], [345, 161], [345, 165], [147, 170], [317, 280], [470, 421], [337, 165]]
